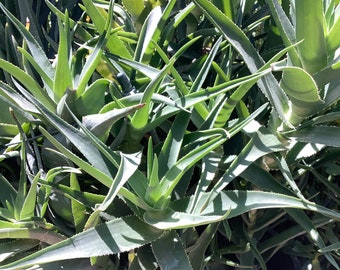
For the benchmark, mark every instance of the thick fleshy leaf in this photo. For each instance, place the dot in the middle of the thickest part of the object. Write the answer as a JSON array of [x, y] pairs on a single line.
[[28, 207], [310, 29], [116, 236], [28, 82], [43, 235], [147, 32], [197, 253], [162, 192], [7, 191], [262, 143], [227, 204], [316, 134], [241, 43], [12, 247], [127, 167], [333, 247], [302, 91], [63, 76], [173, 142], [93, 99], [100, 124], [16, 101], [170, 253], [141, 117], [333, 38], [285, 27], [97, 15], [37, 52]]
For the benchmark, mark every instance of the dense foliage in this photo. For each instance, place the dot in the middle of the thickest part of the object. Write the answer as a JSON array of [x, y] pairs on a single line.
[[169, 134]]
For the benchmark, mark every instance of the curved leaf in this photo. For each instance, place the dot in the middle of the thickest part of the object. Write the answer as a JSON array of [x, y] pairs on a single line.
[[101, 123], [116, 236], [227, 204]]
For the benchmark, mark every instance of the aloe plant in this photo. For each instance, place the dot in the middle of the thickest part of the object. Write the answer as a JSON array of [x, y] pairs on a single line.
[[169, 135]]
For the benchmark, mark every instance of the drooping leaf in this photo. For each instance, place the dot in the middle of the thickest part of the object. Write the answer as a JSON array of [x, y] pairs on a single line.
[[116, 236], [227, 204], [127, 167]]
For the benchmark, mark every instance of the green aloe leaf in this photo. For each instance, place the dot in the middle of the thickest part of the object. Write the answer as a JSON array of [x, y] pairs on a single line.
[[114, 43], [134, 7], [161, 193], [93, 98], [147, 34], [37, 52], [29, 83], [332, 38], [46, 236], [197, 97], [141, 117], [227, 204], [170, 253], [95, 153], [7, 130], [116, 236], [63, 76], [100, 124], [203, 73], [28, 207], [197, 253], [136, 179], [127, 167], [262, 143], [241, 43], [333, 247], [39, 69], [316, 134], [78, 209], [90, 65], [13, 247], [302, 219], [302, 91], [286, 29], [151, 31], [225, 111], [310, 29], [173, 142], [96, 173], [17, 102], [7, 191]]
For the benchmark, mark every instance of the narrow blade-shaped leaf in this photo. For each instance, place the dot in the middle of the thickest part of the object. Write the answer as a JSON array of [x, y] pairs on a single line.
[[63, 76], [113, 237], [240, 42], [28, 82], [127, 167], [262, 143], [227, 204], [316, 134], [37, 52]]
